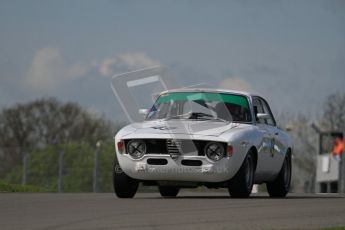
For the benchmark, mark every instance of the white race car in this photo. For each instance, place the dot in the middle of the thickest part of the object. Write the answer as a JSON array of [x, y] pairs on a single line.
[[194, 137]]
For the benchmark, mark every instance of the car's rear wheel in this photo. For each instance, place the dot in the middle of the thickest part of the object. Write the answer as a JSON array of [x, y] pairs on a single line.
[[124, 186], [281, 185], [241, 185], [168, 191]]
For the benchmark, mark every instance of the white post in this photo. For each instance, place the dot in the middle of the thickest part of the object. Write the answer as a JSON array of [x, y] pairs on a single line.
[[95, 166], [25, 168], [60, 178]]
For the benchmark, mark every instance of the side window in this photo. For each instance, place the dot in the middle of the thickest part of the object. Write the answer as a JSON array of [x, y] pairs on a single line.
[[267, 110], [258, 109]]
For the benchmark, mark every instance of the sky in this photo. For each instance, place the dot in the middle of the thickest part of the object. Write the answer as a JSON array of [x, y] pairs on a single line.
[[291, 52]]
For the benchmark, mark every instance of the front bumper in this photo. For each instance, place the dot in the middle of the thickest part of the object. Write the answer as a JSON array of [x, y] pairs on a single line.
[[174, 170]]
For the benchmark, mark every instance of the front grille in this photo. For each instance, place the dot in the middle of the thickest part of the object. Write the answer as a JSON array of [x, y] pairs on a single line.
[[174, 147], [177, 147]]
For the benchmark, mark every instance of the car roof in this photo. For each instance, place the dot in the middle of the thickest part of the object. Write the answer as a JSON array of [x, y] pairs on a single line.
[[211, 90]]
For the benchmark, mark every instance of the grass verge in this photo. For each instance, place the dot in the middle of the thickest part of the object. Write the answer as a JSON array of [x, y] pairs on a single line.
[[5, 187]]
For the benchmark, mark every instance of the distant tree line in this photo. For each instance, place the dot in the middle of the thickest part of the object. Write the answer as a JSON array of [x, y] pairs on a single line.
[[43, 126]]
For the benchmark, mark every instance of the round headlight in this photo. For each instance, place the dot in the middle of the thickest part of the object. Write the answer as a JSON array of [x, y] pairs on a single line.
[[214, 151], [136, 148]]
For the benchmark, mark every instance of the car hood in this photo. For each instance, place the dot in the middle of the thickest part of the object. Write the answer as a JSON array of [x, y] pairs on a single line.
[[207, 128]]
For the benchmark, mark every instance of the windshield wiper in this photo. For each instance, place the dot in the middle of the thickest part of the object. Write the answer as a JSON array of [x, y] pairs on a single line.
[[196, 115], [190, 115], [220, 119], [178, 116], [208, 117], [199, 114]]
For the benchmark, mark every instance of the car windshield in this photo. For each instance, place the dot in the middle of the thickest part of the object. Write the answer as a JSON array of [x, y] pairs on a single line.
[[201, 106]]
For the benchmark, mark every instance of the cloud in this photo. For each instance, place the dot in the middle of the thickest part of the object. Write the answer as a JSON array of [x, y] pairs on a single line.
[[124, 63], [236, 83], [106, 67], [77, 70], [48, 71], [137, 60]]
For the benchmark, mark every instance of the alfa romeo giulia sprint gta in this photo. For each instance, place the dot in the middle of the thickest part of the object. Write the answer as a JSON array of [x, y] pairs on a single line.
[[204, 137]]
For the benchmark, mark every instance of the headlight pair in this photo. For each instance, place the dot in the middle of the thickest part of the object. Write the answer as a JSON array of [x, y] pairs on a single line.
[[213, 150]]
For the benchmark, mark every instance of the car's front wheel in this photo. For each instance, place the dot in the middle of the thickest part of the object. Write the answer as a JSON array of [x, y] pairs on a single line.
[[281, 185], [240, 186], [168, 191], [124, 186]]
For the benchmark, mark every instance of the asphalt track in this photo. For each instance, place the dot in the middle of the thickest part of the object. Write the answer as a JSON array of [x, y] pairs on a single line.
[[150, 211]]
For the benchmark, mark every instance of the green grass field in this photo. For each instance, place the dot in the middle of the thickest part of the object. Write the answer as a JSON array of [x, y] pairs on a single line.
[[5, 187]]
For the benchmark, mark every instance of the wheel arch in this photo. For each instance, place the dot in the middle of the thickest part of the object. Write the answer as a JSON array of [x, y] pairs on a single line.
[[254, 151], [289, 151]]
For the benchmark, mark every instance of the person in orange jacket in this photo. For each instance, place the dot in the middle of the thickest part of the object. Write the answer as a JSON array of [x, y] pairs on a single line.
[[338, 148]]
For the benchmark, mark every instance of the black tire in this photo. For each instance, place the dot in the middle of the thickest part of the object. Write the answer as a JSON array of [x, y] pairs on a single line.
[[281, 185], [241, 185], [124, 186], [168, 191]]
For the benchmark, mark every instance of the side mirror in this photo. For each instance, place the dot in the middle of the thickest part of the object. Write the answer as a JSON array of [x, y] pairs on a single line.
[[262, 116], [143, 111]]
